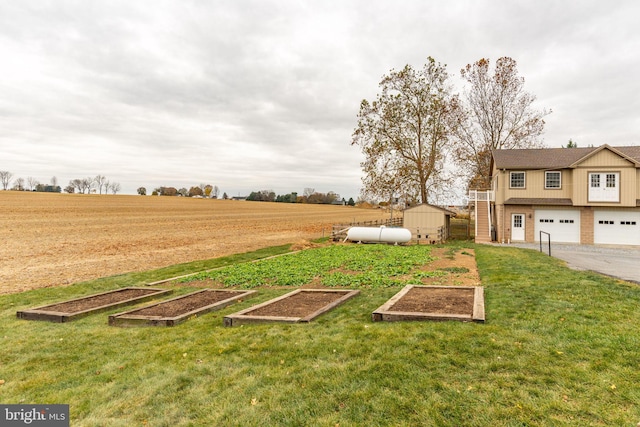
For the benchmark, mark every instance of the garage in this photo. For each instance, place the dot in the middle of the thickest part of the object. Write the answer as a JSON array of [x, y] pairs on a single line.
[[616, 227], [562, 225]]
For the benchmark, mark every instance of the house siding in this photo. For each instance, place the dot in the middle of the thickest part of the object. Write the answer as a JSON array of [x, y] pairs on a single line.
[[535, 182], [628, 187], [605, 159]]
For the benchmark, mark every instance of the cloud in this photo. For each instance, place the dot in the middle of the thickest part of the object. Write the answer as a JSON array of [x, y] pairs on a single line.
[[252, 95]]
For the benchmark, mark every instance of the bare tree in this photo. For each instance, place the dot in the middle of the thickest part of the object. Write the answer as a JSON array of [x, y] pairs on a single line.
[[332, 197], [215, 192], [77, 184], [114, 187], [101, 181], [18, 184], [403, 134], [87, 184], [496, 113], [5, 179], [54, 181], [32, 182]]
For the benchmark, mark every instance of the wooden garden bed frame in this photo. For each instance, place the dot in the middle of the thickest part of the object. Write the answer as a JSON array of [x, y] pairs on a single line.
[[130, 318], [49, 314], [245, 317], [385, 312]]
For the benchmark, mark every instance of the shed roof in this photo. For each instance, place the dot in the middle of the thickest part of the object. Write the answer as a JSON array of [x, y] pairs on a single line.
[[423, 205]]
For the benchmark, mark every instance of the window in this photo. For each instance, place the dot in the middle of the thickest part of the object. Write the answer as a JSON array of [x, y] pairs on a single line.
[[566, 221], [516, 179], [604, 187], [546, 220], [552, 180], [627, 223], [517, 221]]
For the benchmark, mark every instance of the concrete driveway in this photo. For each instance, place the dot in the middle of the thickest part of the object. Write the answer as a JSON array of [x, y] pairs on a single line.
[[621, 263]]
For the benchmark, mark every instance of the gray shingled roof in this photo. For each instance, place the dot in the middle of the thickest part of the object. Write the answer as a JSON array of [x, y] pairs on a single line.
[[552, 158]]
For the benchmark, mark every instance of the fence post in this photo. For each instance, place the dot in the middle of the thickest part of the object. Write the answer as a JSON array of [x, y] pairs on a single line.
[[548, 239]]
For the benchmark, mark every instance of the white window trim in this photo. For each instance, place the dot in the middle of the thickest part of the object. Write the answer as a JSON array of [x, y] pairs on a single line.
[[559, 187], [524, 179]]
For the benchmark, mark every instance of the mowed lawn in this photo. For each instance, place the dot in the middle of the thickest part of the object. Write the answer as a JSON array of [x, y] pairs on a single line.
[[559, 347]]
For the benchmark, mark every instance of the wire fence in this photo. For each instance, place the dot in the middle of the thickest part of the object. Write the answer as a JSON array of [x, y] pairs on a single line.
[[462, 229]]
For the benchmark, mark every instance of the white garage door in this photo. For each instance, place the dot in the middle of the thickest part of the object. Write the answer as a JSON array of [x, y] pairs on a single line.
[[616, 227], [563, 225]]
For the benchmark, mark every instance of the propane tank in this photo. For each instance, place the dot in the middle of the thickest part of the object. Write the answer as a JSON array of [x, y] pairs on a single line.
[[379, 234]]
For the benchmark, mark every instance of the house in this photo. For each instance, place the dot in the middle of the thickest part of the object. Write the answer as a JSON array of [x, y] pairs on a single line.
[[576, 195], [428, 222]]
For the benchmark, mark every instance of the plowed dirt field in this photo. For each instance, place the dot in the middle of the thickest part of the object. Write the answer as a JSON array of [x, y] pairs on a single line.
[[57, 239]]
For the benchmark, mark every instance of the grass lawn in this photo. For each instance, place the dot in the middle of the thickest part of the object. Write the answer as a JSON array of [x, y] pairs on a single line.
[[559, 347]]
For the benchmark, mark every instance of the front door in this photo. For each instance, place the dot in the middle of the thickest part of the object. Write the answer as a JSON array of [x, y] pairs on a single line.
[[517, 227]]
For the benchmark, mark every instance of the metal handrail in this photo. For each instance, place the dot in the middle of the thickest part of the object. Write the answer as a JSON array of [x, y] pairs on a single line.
[[548, 239]]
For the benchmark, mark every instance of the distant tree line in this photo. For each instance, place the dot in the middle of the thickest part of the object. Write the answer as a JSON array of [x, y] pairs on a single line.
[[263, 196], [92, 185], [20, 184], [309, 196], [80, 185], [100, 184], [202, 190]]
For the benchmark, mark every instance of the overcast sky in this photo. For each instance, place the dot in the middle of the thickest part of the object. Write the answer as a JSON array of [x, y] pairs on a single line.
[[253, 95]]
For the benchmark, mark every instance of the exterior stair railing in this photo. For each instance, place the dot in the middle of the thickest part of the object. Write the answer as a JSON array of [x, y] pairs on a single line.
[[482, 196]]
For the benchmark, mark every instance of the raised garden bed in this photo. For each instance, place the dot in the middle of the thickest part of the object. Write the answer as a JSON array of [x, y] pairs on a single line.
[[73, 309], [464, 303], [177, 310], [302, 305]]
